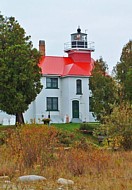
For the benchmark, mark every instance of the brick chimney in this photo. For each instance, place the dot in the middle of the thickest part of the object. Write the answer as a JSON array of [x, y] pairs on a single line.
[[42, 47]]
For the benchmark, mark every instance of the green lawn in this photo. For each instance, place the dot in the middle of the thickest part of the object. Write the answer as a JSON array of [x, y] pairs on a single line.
[[65, 126], [74, 128], [71, 127]]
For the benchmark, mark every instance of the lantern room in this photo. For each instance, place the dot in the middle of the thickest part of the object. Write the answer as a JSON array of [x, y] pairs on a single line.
[[79, 42]]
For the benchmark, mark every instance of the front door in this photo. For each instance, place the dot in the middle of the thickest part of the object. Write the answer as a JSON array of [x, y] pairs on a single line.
[[75, 109]]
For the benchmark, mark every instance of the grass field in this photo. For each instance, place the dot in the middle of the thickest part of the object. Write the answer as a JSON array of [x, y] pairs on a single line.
[[72, 127], [66, 126], [40, 150]]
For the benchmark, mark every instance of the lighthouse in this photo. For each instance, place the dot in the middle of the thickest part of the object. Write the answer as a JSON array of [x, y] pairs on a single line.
[[79, 49]]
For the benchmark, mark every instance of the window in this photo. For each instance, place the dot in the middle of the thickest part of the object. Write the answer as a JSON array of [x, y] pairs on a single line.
[[52, 104], [79, 86], [90, 104], [51, 82]]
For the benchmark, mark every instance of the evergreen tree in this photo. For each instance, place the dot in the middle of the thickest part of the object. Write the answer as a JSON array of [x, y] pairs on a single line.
[[19, 71], [103, 89]]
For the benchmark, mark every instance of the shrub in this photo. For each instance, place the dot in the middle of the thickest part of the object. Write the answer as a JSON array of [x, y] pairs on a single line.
[[118, 126], [4, 134], [2, 137], [32, 144], [65, 138], [84, 144]]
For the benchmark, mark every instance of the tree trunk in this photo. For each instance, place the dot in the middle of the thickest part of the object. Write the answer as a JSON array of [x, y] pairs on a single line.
[[19, 119]]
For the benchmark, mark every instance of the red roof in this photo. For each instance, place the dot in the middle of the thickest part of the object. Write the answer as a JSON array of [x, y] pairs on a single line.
[[64, 66]]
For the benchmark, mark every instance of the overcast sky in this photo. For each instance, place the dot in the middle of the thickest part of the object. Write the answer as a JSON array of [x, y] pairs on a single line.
[[108, 23]]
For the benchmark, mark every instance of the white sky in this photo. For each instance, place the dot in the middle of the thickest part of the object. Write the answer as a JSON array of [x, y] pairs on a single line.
[[108, 23]]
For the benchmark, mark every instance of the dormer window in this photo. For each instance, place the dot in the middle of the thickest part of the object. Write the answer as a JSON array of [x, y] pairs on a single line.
[[78, 86], [51, 82]]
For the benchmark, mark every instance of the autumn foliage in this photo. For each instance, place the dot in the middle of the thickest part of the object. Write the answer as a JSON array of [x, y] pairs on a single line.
[[38, 149]]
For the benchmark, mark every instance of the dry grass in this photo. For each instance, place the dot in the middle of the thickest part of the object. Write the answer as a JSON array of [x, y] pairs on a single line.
[[37, 150]]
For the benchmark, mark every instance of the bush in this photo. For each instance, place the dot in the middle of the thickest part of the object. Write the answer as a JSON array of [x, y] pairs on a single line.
[[65, 138], [4, 134], [118, 126], [32, 144], [2, 137], [35, 144]]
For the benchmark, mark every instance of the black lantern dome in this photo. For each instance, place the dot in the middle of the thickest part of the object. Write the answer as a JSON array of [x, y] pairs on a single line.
[[79, 29], [79, 39], [79, 42]]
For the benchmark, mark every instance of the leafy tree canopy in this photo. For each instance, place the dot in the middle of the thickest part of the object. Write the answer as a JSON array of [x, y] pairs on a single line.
[[103, 90], [123, 72], [128, 85], [19, 71]]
